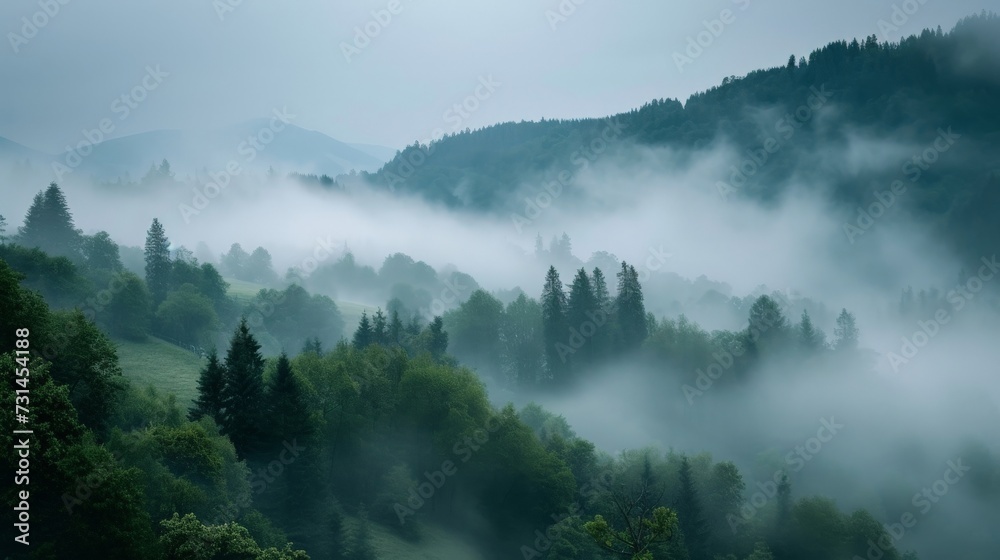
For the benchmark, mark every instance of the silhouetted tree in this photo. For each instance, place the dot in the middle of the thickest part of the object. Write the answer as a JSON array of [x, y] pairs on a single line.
[[158, 263]]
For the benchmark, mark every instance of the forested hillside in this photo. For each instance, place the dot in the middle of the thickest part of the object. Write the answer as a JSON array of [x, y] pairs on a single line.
[[814, 107]]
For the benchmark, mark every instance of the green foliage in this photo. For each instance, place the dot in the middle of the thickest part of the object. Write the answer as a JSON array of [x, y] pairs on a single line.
[[186, 538], [49, 225], [292, 317], [243, 394], [475, 331], [86, 361], [158, 264], [555, 328], [630, 312], [186, 316], [846, 332], [522, 343], [128, 314]]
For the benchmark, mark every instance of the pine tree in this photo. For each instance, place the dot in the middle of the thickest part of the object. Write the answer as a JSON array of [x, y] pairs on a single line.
[[810, 339], [555, 331], [437, 339], [630, 309], [32, 233], [289, 416], [602, 339], [364, 335], [380, 333], [395, 331], [158, 263], [846, 332], [312, 346], [689, 513], [580, 308], [211, 381], [3, 229], [49, 225], [243, 395]]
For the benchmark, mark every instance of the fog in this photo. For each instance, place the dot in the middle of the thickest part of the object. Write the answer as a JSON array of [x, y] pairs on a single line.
[[665, 213]]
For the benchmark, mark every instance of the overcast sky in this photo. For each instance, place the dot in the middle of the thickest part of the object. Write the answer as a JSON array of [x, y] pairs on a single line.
[[227, 64]]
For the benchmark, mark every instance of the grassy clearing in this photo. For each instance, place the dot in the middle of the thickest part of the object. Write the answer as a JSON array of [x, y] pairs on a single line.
[[158, 363]]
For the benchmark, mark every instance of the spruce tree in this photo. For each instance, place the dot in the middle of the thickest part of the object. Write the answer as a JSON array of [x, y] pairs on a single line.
[[555, 331], [689, 513], [395, 331], [437, 342], [364, 335], [630, 309], [380, 332], [810, 339], [211, 382], [312, 346], [846, 332], [49, 225], [243, 395], [3, 229], [289, 416], [580, 308], [158, 263]]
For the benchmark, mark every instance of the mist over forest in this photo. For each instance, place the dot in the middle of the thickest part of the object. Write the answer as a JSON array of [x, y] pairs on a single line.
[[756, 323]]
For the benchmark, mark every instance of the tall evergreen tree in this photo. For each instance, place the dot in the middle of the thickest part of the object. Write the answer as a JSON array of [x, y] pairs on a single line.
[[49, 225], [243, 395], [380, 328], [846, 332], [767, 326], [365, 334], [689, 514], [555, 329], [437, 342], [630, 311], [3, 230], [289, 416], [158, 263], [810, 339], [211, 382], [580, 308], [313, 346], [395, 330]]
